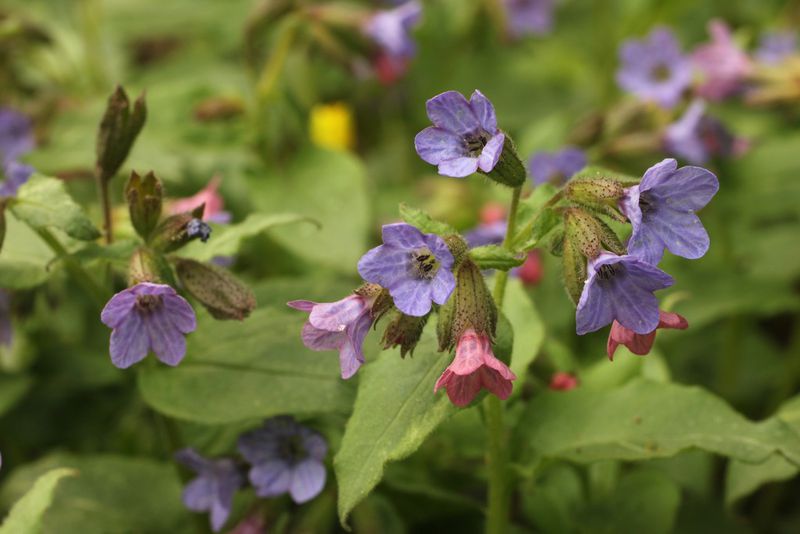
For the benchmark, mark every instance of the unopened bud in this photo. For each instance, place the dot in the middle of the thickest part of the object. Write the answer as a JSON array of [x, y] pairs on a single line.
[[600, 194], [224, 296], [404, 331], [118, 130], [147, 265], [509, 170], [582, 231], [177, 230], [470, 307], [458, 247], [144, 202], [573, 264]]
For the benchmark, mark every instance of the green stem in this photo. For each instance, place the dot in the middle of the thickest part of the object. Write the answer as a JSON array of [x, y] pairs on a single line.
[[497, 459], [105, 204], [74, 268]]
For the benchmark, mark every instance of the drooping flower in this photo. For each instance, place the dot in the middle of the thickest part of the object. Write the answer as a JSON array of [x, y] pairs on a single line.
[[6, 328], [661, 211], [721, 62], [654, 68], [414, 267], [199, 229], [474, 368], [148, 317], [213, 489], [16, 135], [563, 381], [556, 167], [486, 234], [464, 136], [529, 16], [775, 47], [214, 210], [641, 343], [340, 325], [696, 137], [16, 175], [285, 457], [391, 29], [530, 273], [620, 288]]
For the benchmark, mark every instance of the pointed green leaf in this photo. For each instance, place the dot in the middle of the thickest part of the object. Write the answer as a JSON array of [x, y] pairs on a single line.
[[424, 222], [495, 257], [27, 514]]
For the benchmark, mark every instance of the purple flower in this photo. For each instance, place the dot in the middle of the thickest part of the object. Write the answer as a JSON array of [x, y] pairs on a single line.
[[464, 136], [6, 328], [661, 210], [654, 69], [340, 325], [213, 489], [391, 28], [486, 234], [556, 167], [16, 135], [775, 47], [529, 16], [696, 137], [197, 228], [722, 64], [285, 457], [413, 266], [148, 317], [620, 288], [16, 175]]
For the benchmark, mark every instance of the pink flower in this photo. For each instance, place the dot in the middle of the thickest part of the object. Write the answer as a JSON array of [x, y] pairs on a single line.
[[562, 381], [641, 343], [722, 64], [473, 368], [209, 195], [531, 272]]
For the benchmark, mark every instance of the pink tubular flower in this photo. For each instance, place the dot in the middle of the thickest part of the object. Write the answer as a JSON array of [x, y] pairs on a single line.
[[641, 343], [562, 381], [722, 64], [209, 195], [473, 368]]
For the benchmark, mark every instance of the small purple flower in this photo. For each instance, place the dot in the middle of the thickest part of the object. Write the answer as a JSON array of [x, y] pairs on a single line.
[[16, 175], [464, 136], [529, 16], [16, 135], [148, 317], [413, 266], [486, 234], [661, 210], [775, 47], [285, 457], [722, 63], [6, 328], [696, 137], [340, 325], [620, 288], [391, 29], [654, 68], [556, 167], [199, 229], [213, 489]]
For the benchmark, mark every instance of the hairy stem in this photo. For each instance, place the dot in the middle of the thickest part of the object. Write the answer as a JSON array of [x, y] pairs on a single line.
[[105, 204], [74, 268], [497, 457]]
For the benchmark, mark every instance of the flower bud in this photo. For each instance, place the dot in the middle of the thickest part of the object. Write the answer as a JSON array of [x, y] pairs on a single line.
[[458, 247], [144, 202], [509, 170], [403, 330], [177, 230], [147, 265], [573, 264], [600, 194], [582, 231], [118, 130], [218, 290], [470, 307]]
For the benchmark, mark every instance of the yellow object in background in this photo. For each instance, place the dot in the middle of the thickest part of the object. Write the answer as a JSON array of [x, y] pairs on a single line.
[[331, 126]]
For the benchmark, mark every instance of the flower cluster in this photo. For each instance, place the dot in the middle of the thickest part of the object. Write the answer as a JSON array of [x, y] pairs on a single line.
[[283, 457]]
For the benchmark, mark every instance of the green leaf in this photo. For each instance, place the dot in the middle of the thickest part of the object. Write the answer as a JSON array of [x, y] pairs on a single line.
[[243, 370], [395, 411], [645, 420], [24, 258], [43, 202], [110, 494], [495, 257], [12, 389], [528, 327], [424, 222], [26, 515], [536, 219], [226, 240], [744, 478]]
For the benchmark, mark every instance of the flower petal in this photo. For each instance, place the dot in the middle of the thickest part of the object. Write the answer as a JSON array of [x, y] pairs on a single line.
[[271, 478], [412, 297], [451, 111], [129, 342], [302, 305], [435, 145], [308, 479], [490, 154], [317, 339], [335, 316], [442, 286], [166, 341], [689, 188], [385, 265], [117, 308], [180, 313], [458, 167], [484, 111], [199, 494], [658, 174], [402, 235], [682, 233]]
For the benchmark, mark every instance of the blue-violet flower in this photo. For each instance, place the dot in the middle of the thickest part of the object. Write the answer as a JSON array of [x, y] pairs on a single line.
[[464, 136], [391, 29], [213, 489], [556, 167], [529, 16], [414, 267], [16, 135], [775, 47], [696, 137], [285, 457]]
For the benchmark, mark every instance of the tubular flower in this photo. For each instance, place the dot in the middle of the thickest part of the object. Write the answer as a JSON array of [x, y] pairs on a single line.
[[213, 489], [722, 63], [556, 167], [214, 210], [641, 343]]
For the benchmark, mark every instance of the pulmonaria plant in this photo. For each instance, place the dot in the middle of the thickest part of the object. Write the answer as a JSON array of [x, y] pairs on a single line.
[[641, 344], [391, 29], [340, 325], [414, 267], [661, 209], [654, 68], [529, 16], [556, 167], [148, 317], [721, 63], [286, 457], [697, 137], [213, 489]]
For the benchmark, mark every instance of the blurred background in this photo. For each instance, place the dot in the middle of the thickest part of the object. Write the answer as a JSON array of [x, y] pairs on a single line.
[[295, 106]]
